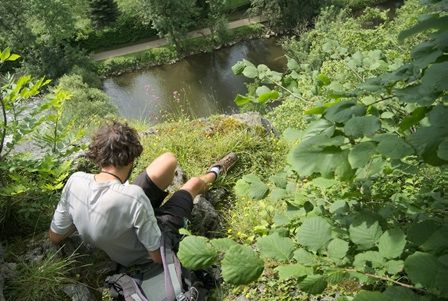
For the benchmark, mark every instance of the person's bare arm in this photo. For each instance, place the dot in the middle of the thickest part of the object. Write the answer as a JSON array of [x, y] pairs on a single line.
[[155, 256], [57, 238]]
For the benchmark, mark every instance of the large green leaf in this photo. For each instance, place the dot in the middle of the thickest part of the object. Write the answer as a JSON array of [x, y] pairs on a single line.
[[358, 127], [276, 247], [442, 277], [421, 268], [393, 146], [368, 259], [318, 127], [426, 140], [241, 265], [416, 116], [387, 80], [251, 185], [360, 154], [398, 293], [426, 53], [337, 248], [322, 155], [434, 77], [434, 22], [324, 183], [313, 284], [293, 271], [442, 151], [419, 233], [222, 244], [365, 231], [336, 276], [416, 93], [304, 257], [239, 67], [437, 241], [195, 252], [343, 111], [250, 72], [279, 179], [391, 243], [394, 266], [314, 233], [277, 194], [241, 100], [292, 135]]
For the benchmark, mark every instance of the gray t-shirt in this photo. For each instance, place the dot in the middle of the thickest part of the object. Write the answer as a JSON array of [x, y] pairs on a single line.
[[115, 217]]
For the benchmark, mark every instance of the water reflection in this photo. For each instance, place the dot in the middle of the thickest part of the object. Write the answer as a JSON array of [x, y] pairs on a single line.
[[198, 86]]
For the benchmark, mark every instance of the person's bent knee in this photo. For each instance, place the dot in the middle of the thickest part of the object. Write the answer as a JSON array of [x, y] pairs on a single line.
[[196, 182], [169, 157], [194, 186]]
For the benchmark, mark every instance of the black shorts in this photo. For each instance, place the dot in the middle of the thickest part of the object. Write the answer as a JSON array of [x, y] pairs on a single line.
[[178, 205]]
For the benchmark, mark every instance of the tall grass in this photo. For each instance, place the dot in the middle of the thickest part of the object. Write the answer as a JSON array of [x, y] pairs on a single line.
[[41, 280]]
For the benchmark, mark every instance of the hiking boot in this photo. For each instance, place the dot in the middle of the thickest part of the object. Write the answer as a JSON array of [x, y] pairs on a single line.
[[225, 163]]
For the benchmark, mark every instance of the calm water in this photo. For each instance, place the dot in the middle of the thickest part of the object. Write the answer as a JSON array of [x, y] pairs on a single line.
[[197, 86]]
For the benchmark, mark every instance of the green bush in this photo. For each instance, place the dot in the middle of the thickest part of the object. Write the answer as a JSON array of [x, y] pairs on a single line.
[[86, 105], [363, 191], [126, 30], [29, 181], [147, 58]]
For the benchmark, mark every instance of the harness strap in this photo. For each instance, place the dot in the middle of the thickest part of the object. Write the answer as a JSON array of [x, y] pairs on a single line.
[[129, 288]]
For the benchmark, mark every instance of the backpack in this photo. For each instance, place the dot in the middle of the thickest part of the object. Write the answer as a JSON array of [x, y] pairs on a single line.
[[171, 277]]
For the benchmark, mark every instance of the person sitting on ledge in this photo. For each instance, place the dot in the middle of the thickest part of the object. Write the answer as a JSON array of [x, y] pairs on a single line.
[[123, 219]]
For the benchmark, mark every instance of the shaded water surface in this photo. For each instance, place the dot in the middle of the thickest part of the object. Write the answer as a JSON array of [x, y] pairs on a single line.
[[197, 86]]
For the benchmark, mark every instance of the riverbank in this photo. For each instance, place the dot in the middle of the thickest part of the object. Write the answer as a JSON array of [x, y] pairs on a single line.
[[168, 54]]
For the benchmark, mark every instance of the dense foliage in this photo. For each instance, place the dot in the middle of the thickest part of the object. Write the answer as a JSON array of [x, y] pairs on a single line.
[[41, 131], [28, 180], [358, 206], [103, 12], [362, 203], [282, 14]]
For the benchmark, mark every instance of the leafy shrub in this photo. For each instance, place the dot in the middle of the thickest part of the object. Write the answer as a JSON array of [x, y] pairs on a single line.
[[127, 29], [365, 184], [148, 58], [86, 105], [30, 121]]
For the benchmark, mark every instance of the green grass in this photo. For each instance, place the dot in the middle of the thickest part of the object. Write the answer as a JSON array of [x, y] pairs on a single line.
[[198, 143], [41, 280]]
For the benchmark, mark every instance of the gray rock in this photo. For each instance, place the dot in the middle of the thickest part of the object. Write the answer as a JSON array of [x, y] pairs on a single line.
[[78, 292], [38, 249], [179, 179], [242, 298], [218, 197], [150, 131], [205, 220], [254, 119], [7, 270]]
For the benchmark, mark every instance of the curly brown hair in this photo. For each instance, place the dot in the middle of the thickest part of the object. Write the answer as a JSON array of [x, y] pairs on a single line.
[[115, 144]]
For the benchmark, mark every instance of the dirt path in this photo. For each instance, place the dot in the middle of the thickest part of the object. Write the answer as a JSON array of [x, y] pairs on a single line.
[[161, 42]]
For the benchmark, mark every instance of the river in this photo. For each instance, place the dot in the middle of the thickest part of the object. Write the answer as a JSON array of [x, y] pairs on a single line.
[[197, 86]]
